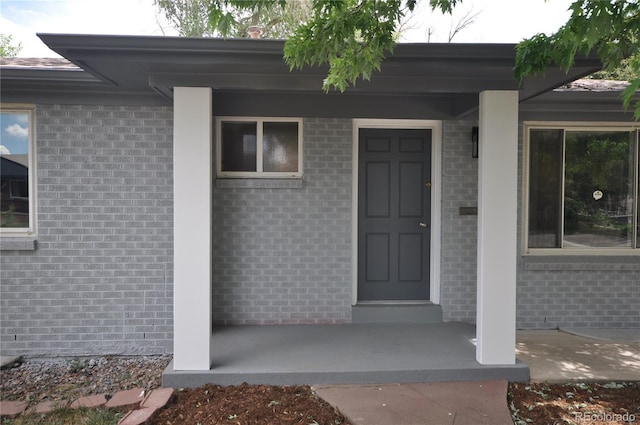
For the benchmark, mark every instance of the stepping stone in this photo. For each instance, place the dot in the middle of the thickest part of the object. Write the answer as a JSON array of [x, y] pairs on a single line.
[[157, 399], [12, 409], [90, 401], [127, 398], [9, 361], [137, 417], [47, 406]]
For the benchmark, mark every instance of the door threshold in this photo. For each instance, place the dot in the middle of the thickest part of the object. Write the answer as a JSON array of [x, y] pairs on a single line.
[[396, 312], [393, 302]]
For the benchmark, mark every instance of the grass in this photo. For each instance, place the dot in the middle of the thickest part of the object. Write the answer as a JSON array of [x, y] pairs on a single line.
[[68, 416]]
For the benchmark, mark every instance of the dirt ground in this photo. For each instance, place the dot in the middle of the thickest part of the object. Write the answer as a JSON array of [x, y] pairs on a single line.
[[575, 403], [248, 404], [539, 404]]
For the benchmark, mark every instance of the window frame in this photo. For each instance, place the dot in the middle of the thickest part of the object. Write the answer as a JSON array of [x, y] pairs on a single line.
[[575, 126], [30, 110], [259, 173]]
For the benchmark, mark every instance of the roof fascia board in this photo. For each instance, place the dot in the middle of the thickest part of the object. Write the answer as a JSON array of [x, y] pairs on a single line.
[[182, 45], [86, 97], [43, 74]]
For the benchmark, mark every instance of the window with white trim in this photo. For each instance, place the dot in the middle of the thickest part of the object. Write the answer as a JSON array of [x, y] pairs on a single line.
[[259, 147], [17, 173], [581, 189]]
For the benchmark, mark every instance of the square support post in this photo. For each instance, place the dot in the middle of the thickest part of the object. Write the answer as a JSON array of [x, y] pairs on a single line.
[[192, 193], [497, 227]]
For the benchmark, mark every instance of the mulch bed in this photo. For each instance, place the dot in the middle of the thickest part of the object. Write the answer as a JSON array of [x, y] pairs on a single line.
[[575, 403], [248, 404]]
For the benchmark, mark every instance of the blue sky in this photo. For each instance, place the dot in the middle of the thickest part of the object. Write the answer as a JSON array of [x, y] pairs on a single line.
[[499, 21], [14, 133]]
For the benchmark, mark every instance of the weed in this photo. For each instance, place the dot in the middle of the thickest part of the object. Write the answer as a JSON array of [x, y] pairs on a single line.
[[68, 416], [77, 365]]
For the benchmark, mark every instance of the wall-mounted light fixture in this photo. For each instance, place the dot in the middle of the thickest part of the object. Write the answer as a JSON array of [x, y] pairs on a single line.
[[474, 142]]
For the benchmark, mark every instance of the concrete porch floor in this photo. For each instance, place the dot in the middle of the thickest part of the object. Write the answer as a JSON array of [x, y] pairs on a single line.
[[344, 354]]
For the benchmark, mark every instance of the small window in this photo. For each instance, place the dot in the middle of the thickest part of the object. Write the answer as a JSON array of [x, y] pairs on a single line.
[[582, 190], [17, 186], [263, 147]]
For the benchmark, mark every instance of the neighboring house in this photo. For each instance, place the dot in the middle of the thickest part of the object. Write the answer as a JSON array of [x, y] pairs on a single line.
[[178, 183]]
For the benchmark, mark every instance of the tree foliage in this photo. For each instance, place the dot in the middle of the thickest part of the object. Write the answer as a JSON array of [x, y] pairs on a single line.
[[206, 18], [608, 29], [354, 36], [189, 17], [9, 49], [351, 36]]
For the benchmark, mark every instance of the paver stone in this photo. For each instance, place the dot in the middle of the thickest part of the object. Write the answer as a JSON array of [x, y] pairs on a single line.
[[12, 409], [127, 398]]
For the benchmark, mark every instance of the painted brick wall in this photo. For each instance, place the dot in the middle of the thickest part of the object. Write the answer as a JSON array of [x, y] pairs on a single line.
[[100, 280], [459, 233], [282, 249], [600, 292]]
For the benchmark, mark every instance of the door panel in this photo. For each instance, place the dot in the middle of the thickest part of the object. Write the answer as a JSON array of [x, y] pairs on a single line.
[[378, 181], [411, 194], [378, 261], [394, 205], [410, 257]]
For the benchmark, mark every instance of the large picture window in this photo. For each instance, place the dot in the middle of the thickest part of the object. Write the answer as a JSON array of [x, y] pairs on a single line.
[[17, 193], [259, 147], [582, 189]]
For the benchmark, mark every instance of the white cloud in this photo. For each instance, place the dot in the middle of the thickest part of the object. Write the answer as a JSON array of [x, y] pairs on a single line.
[[16, 130], [4, 150], [23, 19]]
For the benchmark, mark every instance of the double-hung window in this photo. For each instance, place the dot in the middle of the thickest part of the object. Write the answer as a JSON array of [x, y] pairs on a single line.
[[17, 173], [581, 189], [259, 147]]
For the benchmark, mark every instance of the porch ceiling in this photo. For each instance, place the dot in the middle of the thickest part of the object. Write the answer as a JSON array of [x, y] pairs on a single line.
[[151, 66]]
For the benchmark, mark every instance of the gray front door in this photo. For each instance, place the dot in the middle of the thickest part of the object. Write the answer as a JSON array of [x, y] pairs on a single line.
[[394, 210]]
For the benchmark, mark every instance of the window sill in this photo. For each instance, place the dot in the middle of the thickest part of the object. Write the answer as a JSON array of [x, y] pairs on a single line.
[[565, 252], [585, 263], [228, 183], [16, 243]]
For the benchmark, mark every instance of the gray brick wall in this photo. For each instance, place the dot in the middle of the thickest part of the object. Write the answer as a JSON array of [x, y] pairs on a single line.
[[600, 292], [459, 233], [282, 250], [100, 280]]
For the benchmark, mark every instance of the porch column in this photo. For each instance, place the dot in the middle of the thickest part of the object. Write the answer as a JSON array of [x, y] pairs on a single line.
[[192, 184], [497, 227]]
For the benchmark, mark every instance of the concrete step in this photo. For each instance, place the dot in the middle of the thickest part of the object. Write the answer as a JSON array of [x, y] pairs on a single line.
[[423, 313]]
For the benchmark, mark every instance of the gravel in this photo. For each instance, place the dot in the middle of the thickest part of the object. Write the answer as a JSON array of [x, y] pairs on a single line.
[[36, 380]]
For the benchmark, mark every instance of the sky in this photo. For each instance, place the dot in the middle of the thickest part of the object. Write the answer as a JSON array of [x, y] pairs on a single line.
[[498, 21], [15, 133]]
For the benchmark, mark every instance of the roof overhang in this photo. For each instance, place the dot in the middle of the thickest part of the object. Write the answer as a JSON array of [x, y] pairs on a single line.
[[148, 68]]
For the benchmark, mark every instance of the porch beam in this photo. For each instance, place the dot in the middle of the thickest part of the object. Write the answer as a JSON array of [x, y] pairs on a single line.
[[497, 228], [192, 192]]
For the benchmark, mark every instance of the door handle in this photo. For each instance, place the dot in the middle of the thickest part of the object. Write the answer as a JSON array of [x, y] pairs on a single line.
[[422, 224]]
